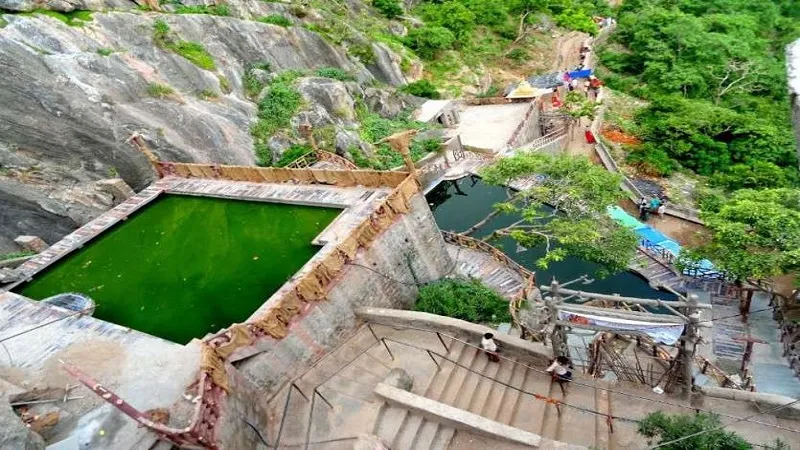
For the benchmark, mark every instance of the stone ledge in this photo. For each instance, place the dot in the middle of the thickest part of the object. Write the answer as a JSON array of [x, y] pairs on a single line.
[[455, 417], [531, 352], [761, 399]]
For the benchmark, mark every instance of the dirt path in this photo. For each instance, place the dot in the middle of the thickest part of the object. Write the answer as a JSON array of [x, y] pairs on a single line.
[[687, 233], [567, 50]]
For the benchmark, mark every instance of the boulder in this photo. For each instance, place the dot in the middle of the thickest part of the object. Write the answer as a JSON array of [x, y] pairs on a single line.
[[277, 145], [386, 65], [329, 102], [389, 103], [116, 188], [398, 29], [66, 5], [348, 139]]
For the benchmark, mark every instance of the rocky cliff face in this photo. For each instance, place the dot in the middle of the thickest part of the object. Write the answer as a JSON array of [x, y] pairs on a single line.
[[72, 96]]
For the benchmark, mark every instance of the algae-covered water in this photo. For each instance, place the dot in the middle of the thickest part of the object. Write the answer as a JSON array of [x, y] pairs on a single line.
[[186, 266]]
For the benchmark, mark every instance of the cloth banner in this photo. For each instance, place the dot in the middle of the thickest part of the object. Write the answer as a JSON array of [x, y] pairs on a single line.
[[665, 333], [580, 73]]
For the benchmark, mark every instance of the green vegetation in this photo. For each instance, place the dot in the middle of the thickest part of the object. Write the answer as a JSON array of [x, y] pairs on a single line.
[[275, 111], [461, 299], [334, 73], [580, 192], [276, 19], [77, 18], [159, 90], [192, 51], [713, 73], [421, 88], [214, 10], [104, 51], [428, 41], [252, 83], [224, 84], [14, 255], [661, 428], [756, 234], [292, 154], [374, 128], [195, 264], [389, 8], [208, 94]]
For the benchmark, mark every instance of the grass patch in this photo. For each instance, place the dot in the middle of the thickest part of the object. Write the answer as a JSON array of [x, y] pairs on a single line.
[[208, 94], [194, 52], [422, 88], [76, 18], [334, 73], [467, 300], [213, 10], [275, 111], [374, 128], [15, 255], [276, 19], [224, 84], [158, 90], [104, 51], [252, 84]]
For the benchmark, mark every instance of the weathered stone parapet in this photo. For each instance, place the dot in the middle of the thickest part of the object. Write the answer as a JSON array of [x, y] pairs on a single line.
[[764, 401]]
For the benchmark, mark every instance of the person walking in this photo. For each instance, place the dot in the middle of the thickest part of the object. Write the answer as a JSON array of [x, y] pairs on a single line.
[[643, 209], [662, 209], [489, 347], [561, 371]]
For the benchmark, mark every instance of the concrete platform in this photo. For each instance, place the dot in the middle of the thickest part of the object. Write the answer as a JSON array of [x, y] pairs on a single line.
[[490, 127]]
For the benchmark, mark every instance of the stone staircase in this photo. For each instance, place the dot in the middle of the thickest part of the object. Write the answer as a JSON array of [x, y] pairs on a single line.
[[656, 272], [500, 401]]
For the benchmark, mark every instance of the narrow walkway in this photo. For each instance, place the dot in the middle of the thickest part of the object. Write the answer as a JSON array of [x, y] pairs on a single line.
[[476, 264]]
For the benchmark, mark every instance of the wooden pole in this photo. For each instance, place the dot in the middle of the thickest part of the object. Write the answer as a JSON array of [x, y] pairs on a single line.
[[559, 336], [640, 301], [687, 355], [401, 142]]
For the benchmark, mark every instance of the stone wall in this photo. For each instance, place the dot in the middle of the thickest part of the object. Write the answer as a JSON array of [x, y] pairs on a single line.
[[530, 128], [410, 253]]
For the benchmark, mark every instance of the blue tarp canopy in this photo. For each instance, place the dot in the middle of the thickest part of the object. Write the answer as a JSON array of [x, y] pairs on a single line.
[[580, 73], [651, 235]]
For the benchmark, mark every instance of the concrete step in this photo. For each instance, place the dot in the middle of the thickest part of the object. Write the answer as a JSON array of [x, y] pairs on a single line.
[[578, 427], [469, 390], [530, 412], [603, 435], [469, 358], [493, 403], [511, 396], [433, 436], [549, 425], [389, 421], [484, 388], [408, 431], [442, 378]]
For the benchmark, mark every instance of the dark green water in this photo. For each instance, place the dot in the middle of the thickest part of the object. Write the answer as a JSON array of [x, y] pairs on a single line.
[[459, 205], [186, 266]]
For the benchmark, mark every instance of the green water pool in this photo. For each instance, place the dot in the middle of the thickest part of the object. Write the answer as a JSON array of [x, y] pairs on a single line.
[[185, 266]]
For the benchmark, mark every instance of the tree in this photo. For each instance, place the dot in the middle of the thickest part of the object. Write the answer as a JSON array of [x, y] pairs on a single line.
[[661, 428], [755, 234], [579, 193], [427, 41], [389, 8], [577, 106]]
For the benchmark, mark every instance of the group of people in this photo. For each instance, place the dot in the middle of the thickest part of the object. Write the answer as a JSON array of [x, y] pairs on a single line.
[[560, 368], [654, 205]]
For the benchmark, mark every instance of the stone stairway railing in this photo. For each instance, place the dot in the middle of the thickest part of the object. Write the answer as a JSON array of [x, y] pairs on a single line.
[[307, 160], [539, 143]]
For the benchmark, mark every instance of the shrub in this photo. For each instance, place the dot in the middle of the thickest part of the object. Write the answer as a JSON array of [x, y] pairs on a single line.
[[651, 160], [276, 19], [160, 31], [214, 10], [335, 73], [159, 90], [363, 52], [76, 18], [104, 51], [421, 88], [291, 154], [389, 8], [252, 85], [15, 255], [756, 175], [517, 54], [263, 154], [578, 20], [427, 41], [465, 300], [451, 15], [279, 105]]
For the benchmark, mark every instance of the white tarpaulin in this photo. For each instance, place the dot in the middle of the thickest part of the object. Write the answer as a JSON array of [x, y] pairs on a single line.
[[666, 333]]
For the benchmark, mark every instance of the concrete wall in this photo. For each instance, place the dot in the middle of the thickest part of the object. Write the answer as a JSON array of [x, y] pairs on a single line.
[[530, 128], [244, 404], [409, 253]]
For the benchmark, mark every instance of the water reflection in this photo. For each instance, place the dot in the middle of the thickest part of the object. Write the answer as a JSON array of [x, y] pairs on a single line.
[[457, 205]]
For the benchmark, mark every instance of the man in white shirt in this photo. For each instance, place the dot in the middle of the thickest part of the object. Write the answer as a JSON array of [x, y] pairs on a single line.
[[489, 347]]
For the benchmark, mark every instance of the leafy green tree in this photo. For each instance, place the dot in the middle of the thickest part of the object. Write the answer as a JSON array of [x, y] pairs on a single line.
[[578, 20], [577, 106], [757, 175], [579, 226], [661, 428], [429, 40], [389, 8], [421, 88], [452, 15], [755, 234]]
